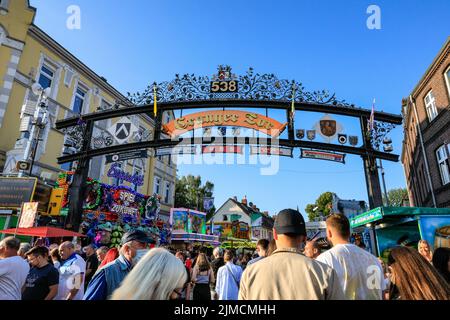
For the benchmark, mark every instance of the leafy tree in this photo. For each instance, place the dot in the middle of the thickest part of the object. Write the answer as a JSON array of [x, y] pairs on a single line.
[[396, 196], [189, 193], [323, 204]]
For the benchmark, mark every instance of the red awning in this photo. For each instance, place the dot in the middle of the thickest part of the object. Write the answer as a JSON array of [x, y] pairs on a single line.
[[43, 232]]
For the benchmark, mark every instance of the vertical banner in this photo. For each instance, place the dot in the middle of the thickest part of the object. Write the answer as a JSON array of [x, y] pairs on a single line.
[[208, 203], [28, 214]]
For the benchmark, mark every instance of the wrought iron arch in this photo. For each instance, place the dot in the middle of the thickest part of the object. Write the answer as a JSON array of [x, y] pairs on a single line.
[[255, 91]]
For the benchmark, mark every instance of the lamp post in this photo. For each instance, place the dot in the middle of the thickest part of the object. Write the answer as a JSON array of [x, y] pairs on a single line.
[[39, 121]]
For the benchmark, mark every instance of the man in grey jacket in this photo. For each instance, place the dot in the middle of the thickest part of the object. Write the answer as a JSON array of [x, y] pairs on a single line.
[[109, 278], [287, 274]]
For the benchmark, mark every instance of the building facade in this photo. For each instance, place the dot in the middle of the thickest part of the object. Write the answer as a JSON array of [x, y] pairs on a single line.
[[260, 223], [349, 208], [28, 56], [426, 142]]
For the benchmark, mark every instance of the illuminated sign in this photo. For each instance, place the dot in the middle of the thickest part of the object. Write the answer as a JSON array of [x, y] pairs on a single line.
[[370, 216], [116, 172]]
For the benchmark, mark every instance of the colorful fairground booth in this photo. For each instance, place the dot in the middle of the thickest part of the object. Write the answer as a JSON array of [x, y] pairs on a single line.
[[111, 210], [189, 229], [388, 227]]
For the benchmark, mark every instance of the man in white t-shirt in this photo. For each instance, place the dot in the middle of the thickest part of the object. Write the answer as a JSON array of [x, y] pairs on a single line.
[[71, 273], [359, 272], [13, 270]]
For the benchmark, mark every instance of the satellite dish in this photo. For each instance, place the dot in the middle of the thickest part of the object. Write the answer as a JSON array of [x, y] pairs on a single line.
[[36, 88], [46, 92]]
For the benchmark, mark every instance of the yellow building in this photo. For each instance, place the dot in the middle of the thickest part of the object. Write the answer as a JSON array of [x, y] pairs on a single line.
[[27, 56]]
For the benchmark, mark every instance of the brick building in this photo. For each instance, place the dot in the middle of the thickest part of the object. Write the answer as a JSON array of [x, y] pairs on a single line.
[[426, 142]]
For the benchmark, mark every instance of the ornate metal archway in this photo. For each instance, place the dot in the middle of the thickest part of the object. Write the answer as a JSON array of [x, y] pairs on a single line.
[[226, 90]]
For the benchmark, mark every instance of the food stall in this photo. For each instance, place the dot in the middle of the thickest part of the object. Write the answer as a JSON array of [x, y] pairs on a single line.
[[393, 226]]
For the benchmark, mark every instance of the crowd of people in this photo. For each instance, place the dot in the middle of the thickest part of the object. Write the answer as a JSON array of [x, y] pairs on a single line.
[[286, 268]]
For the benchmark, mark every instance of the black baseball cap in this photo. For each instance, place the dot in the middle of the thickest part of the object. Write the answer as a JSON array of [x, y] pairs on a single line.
[[136, 235], [290, 221]]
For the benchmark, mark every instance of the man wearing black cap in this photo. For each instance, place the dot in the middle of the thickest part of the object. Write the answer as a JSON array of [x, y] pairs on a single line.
[[287, 274], [107, 279]]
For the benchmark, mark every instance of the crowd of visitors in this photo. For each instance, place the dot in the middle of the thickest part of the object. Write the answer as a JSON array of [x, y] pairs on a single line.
[[287, 267]]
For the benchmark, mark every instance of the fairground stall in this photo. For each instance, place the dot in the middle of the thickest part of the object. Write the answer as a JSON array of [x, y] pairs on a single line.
[[189, 230], [235, 235], [393, 226], [110, 210]]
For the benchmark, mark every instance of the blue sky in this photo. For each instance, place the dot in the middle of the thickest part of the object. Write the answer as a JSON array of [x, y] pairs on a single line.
[[323, 44]]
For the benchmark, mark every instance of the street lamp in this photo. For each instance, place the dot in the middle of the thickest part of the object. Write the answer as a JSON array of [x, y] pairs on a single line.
[[39, 121]]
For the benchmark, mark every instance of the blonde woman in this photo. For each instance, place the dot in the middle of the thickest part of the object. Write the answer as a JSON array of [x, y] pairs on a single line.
[[424, 249], [159, 275]]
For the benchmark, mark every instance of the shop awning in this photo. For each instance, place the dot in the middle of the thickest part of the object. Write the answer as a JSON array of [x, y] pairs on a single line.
[[43, 232], [381, 212]]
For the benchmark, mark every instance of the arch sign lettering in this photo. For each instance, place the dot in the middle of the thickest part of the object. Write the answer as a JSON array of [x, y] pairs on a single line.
[[224, 118], [229, 100]]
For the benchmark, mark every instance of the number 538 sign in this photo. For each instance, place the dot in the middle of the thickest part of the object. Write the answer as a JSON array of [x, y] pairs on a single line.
[[224, 86]]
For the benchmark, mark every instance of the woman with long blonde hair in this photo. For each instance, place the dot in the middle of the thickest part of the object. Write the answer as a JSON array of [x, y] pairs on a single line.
[[414, 277], [159, 275], [424, 249]]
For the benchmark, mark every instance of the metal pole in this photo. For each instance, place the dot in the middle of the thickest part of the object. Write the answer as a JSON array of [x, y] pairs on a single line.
[[26, 153], [424, 152], [18, 220], [375, 242], [33, 154], [384, 183]]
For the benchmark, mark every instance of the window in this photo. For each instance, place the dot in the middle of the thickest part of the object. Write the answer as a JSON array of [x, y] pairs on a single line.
[[78, 102], [66, 166], [430, 105], [167, 193], [167, 120], [447, 79], [156, 187], [46, 76], [443, 163]]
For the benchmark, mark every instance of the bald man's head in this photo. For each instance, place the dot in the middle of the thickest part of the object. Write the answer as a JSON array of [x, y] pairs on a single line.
[[66, 249]]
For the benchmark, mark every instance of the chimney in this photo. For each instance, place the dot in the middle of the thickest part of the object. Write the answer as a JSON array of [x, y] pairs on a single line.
[[254, 207], [244, 200], [235, 198]]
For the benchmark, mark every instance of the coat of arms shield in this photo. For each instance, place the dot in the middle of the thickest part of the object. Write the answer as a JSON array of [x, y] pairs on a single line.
[[311, 134], [353, 140], [328, 127], [300, 133]]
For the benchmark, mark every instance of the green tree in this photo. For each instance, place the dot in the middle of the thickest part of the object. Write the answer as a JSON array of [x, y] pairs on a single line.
[[189, 193], [396, 196], [323, 205]]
